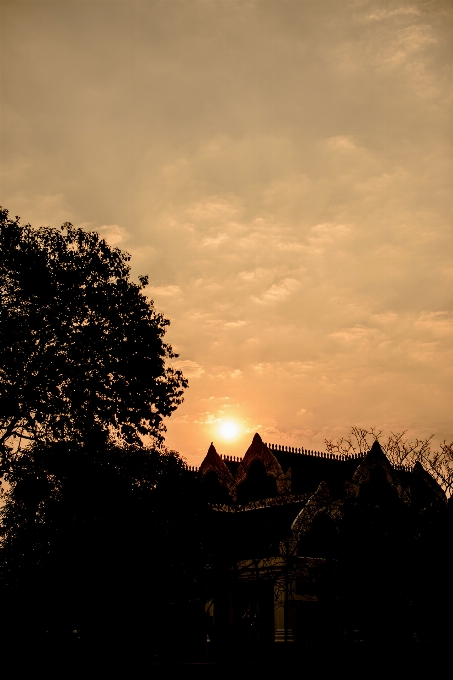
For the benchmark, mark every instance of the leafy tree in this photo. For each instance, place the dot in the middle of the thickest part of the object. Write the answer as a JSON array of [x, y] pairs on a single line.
[[81, 347], [95, 526]]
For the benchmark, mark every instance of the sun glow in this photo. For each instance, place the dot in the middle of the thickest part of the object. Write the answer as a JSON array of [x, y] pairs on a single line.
[[228, 429]]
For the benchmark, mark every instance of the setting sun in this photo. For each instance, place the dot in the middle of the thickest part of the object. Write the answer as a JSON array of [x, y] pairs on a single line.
[[228, 430]]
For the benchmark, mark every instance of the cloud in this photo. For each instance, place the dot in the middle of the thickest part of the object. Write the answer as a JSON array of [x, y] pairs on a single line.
[[422, 351], [113, 234], [215, 240], [439, 323], [190, 369], [213, 210], [215, 399], [253, 429], [341, 143], [385, 317], [278, 292], [227, 375], [165, 291], [408, 42], [207, 418], [181, 420], [351, 334], [381, 14], [235, 324], [327, 233]]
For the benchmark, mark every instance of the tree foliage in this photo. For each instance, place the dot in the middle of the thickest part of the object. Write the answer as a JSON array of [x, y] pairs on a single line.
[[99, 545], [95, 525], [81, 347]]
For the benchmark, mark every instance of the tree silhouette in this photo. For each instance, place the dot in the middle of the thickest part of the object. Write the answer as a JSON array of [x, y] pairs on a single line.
[[102, 546], [95, 526], [400, 451], [81, 348]]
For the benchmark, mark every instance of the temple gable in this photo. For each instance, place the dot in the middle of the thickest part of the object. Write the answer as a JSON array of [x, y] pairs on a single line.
[[214, 468]]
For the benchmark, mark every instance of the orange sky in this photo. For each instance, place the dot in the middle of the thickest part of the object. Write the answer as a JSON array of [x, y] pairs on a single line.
[[281, 170]]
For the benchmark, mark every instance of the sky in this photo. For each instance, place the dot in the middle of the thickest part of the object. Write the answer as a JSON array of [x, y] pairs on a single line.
[[282, 171]]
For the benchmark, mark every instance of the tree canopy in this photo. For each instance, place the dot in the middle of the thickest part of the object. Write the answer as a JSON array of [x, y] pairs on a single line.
[[90, 519], [81, 347]]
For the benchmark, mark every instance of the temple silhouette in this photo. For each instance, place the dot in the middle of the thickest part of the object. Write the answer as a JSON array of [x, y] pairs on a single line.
[[315, 546]]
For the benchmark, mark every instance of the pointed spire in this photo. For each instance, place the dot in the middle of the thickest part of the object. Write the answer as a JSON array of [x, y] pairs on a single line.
[[376, 453], [212, 459], [376, 448], [259, 451], [212, 450]]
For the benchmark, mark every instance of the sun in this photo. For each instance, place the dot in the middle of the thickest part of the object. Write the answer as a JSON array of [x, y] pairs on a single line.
[[228, 429]]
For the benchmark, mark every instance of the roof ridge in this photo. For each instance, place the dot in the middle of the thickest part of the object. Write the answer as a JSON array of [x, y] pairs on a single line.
[[310, 452]]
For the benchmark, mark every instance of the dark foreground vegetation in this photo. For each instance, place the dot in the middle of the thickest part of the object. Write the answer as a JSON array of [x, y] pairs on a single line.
[[102, 550], [100, 534], [113, 550]]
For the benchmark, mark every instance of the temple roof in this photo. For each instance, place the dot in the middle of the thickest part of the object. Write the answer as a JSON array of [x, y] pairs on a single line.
[[289, 473]]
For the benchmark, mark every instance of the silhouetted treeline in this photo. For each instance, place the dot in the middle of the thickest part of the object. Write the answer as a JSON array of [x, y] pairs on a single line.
[[104, 549], [99, 541]]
